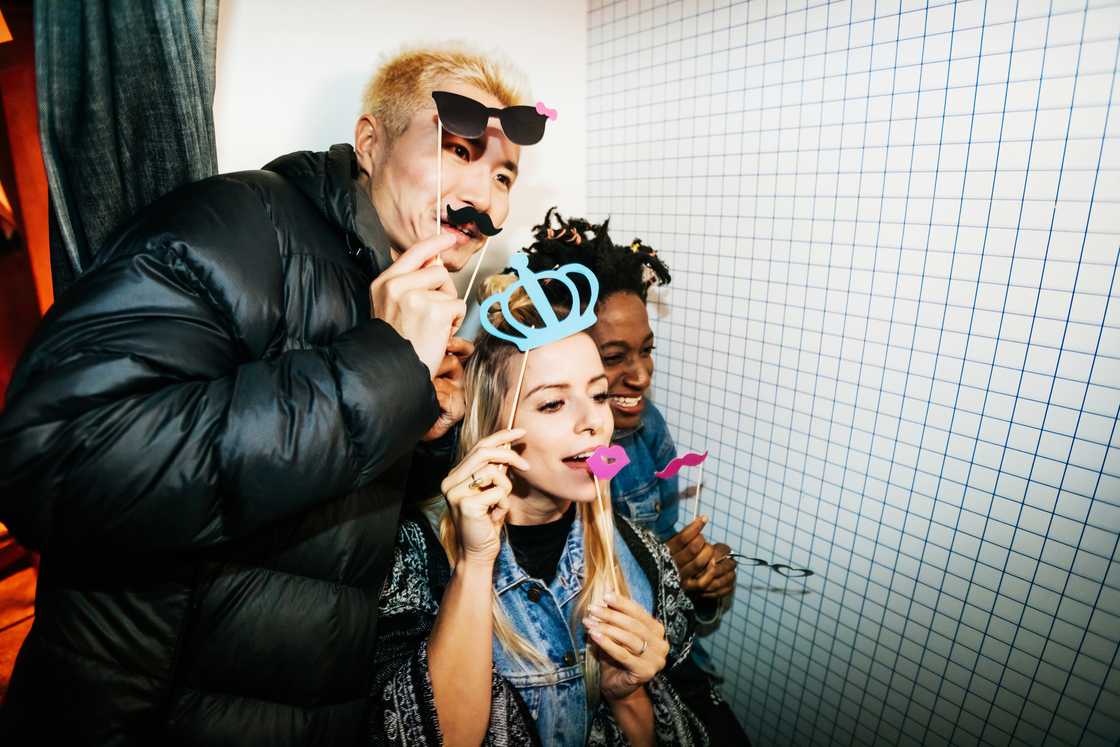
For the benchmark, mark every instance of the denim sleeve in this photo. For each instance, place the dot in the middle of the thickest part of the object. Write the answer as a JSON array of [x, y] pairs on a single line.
[[665, 450], [402, 704]]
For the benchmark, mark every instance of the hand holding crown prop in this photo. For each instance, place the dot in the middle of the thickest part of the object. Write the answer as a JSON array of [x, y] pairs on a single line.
[[581, 316]]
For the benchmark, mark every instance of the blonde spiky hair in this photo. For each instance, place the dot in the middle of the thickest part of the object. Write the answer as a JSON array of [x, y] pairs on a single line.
[[403, 83]]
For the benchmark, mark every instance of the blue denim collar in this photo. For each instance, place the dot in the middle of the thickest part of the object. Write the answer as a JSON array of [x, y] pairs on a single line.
[[569, 571], [623, 433]]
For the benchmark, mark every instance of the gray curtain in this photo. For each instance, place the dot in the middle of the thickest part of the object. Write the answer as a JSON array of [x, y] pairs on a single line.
[[126, 92]]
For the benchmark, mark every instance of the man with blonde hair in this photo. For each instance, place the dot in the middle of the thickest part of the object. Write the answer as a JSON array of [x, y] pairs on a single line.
[[209, 438]]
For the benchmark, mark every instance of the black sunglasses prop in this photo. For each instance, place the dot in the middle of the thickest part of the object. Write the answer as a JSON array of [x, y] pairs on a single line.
[[465, 117]]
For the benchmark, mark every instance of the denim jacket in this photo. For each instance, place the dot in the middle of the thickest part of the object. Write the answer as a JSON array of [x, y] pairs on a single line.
[[647, 500], [530, 704], [543, 614]]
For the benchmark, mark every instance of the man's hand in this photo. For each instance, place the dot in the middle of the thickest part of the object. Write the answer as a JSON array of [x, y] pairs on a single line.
[[449, 387], [416, 297]]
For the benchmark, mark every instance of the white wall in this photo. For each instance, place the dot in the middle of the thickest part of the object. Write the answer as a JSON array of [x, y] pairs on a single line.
[[895, 322], [894, 316], [290, 74]]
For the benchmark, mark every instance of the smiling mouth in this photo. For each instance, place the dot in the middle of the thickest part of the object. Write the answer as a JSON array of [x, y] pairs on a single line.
[[578, 461], [627, 403], [469, 230]]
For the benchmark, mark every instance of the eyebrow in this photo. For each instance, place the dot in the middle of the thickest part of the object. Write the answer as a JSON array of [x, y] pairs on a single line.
[[542, 387], [511, 166], [623, 343]]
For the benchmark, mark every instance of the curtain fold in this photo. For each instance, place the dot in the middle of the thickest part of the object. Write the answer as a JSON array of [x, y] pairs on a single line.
[[125, 92]]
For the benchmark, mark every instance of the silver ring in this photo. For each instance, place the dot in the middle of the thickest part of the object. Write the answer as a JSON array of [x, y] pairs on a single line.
[[645, 644]]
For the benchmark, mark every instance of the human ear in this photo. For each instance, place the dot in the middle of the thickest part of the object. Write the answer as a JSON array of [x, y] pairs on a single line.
[[369, 143]]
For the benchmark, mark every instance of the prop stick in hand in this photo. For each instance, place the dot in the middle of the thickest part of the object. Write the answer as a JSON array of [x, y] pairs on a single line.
[[477, 267], [517, 391], [691, 459], [603, 524], [439, 173], [516, 399], [699, 488], [604, 463]]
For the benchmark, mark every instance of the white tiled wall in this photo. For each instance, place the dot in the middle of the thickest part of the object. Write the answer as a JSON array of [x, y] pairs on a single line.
[[894, 233]]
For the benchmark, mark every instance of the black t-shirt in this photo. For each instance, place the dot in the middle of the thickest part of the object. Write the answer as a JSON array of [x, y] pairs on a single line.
[[538, 547]]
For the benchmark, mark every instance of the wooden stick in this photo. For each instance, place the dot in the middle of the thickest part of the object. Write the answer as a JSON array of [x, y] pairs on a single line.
[[699, 487], [610, 539], [517, 392], [477, 267], [439, 173]]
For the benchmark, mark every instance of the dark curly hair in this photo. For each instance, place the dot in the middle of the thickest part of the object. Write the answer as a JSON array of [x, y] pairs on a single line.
[[619, 269]]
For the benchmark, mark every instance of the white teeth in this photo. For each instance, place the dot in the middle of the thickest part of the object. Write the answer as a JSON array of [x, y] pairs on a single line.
[[627, 401]]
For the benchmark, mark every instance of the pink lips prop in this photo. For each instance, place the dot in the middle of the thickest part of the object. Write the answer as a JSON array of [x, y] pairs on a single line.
[[606, 461]]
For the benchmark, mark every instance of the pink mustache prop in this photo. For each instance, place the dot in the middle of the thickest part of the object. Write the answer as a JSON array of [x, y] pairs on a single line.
[[691, 459]]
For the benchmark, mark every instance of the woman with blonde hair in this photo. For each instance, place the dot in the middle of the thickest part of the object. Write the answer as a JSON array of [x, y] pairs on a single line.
[[625, 274], [535, 616]]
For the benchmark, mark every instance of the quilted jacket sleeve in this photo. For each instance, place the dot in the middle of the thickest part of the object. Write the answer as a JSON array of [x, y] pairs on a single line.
[[145, 416]]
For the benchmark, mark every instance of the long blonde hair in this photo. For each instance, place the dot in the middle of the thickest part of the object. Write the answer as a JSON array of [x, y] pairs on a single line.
[[489, 376]]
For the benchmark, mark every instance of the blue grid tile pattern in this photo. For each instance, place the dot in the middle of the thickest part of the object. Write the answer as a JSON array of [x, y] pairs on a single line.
[[894, 231]]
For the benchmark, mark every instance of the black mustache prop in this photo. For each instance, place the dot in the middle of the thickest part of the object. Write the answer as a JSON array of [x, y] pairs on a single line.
[[468, 214]]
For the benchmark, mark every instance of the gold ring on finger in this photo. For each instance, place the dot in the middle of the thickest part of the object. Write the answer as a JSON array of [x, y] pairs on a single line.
[[475, 484], [645, 645]]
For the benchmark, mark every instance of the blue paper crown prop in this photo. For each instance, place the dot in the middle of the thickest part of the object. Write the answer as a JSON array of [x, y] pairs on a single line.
[[554, 328]]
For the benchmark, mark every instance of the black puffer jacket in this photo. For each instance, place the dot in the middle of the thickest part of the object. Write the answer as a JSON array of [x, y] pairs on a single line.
[[207, 440]]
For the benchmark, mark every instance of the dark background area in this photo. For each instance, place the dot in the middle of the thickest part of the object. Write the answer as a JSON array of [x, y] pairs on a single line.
[[21, 173]]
